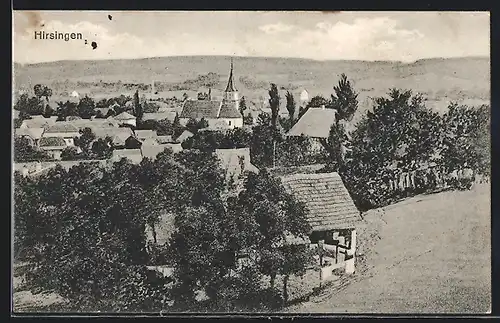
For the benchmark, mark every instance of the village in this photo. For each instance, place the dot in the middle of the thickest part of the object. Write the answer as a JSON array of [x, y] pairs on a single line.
[[311, 150]]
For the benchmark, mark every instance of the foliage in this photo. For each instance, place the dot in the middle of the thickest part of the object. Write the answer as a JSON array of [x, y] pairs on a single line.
[[261, 144], [211, 139], [194, 125], [345, 99], [138, 110], [290, 107], [248, 119], [86, 108], [274, 104], [242, 106], [70, 153], [29, 106], [42, 91], [102, 148], [24, 151], [84, 141]]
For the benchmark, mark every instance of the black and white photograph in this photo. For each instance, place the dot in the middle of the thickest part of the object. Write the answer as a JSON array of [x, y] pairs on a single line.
[[225, 162]]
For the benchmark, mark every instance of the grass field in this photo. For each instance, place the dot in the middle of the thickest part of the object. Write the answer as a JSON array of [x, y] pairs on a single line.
[[434, 256]]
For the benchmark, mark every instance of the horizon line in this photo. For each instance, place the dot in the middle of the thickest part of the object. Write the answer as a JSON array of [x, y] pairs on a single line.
[[255, 57]]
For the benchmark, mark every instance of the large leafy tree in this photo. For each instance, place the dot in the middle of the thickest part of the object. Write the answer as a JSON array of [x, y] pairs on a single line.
[[86, 107], [84, 141], [24, 151]]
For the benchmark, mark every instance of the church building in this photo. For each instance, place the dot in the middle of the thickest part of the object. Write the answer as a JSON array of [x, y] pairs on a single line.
[[222, 114]]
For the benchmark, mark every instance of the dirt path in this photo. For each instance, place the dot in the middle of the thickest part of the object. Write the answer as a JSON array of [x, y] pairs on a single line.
[[433, 257]]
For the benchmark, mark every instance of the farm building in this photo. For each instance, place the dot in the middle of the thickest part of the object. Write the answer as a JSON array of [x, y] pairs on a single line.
[[124, 118], [222, 114], [53, 146], [151, 151], [331, 213], [63, 129]]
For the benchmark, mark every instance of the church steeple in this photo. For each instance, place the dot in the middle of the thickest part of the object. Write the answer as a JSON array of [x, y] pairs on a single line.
[[230, 83]]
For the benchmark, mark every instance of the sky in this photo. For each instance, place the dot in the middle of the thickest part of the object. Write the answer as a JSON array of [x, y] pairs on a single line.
[[370, 36]]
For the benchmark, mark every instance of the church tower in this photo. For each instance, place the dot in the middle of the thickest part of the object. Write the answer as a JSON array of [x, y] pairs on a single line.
[[231, 94]]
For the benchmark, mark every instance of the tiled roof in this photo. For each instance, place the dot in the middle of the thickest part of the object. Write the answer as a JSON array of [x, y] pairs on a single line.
[[119, 135], [230, 160], [164, 139], [145, 134], [151, 151], [52, 142], [159, 116], [62, 127], [315, 123], [38, 122], [34, 133], [229, 111], [197, 109], [329, 205], [124, 116], [134, 155], [94, 123]]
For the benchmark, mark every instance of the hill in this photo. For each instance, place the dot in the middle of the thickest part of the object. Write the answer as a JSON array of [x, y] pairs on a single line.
[[441, 80]]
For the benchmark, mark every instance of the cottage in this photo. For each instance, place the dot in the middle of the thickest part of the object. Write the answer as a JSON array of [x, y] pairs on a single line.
[[38, 122], [151, 151], [53, 146], [32, 134], [63, 129], [330, 212], [142, 135], [125, 118], [184, 135], [133, 155], [315, 124], [118, 135], [222, 114]]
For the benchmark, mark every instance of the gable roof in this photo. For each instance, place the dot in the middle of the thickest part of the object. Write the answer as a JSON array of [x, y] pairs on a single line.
[[164, 139], [315, 123], [197, 109], [34, 133], [184, 135], [62, 127], [93, 123], [52, 142], [151, 151], [134, 155], [119, 135], [145, 134], [124, 116], [170, 115], [38, 122], [329, 205], [229, 111]]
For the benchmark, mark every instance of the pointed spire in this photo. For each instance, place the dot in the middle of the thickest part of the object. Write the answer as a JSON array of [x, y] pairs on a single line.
[[230, 83]]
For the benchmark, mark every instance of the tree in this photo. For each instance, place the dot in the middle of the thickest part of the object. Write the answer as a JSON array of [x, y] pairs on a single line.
[[248, 119], [103, 148], [66, 109], [138, 111], [274, 104], [273, 216], [345, 99], [242, 106], [38, 90], [24, 151], [84, 141], [290, 107], [86, 107], [262, 141], [70, 153], [194, 125]]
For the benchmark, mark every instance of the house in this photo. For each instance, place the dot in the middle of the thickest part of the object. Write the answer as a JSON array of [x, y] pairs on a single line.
[[142, 135], [125, 118], [235, 161], [74, 94], [33, 134], [223, 114], [63, 129], [315, 124], [184, 135], [133, 155], [53, 146], [164, 139], [304, 97], [151, 151], [118, 135], [38, 122], [94, 123], [331, 213], [157, 116]]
